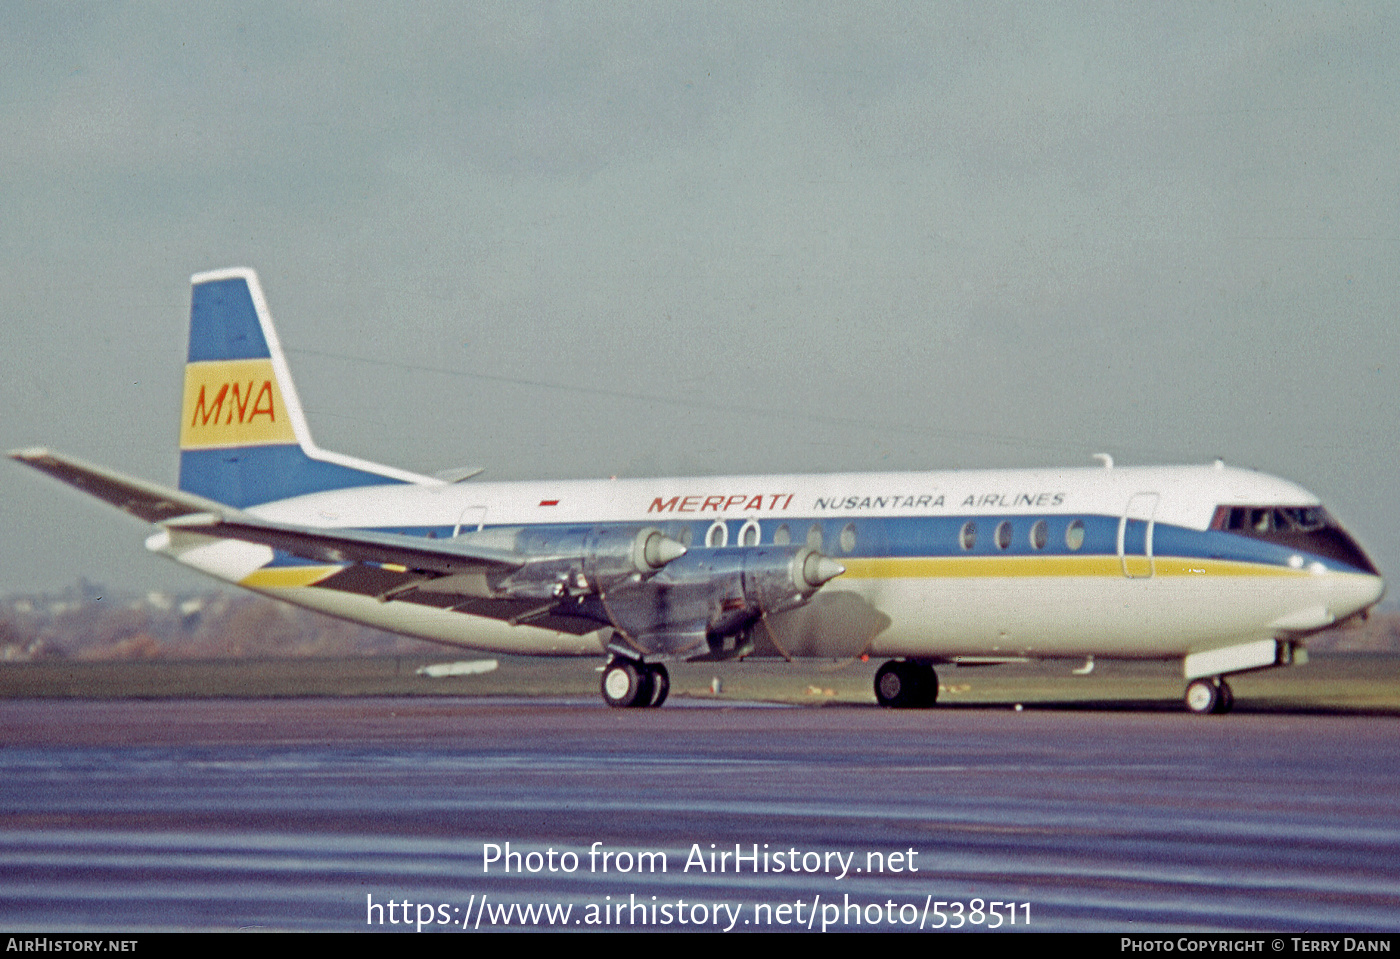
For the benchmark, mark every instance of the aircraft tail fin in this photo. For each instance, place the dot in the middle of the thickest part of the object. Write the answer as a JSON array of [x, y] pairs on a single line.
[[243, 434]]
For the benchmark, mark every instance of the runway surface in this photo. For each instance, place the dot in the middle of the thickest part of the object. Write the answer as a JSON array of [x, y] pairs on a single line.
[[333, 813]]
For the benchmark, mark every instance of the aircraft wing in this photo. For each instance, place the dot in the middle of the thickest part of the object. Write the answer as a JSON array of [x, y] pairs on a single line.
[[180, 510]]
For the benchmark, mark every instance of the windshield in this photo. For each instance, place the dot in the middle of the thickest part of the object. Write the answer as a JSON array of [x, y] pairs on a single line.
[[1308, 529]]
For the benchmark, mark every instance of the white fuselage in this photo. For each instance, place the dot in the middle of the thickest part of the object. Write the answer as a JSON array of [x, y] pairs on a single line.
[[1148, 578]]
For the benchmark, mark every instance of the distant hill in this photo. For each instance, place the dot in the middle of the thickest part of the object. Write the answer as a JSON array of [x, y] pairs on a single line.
[[84, 622]]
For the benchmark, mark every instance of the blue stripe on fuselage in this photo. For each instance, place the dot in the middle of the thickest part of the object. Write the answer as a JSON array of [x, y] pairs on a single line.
[[939, 537]]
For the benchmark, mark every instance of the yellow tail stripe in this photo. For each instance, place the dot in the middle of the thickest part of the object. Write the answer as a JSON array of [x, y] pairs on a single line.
[[233, 403]]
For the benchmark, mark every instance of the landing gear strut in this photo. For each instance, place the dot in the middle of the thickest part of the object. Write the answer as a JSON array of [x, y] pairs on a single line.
[[1204, 696], [630, 684], [906, 685]]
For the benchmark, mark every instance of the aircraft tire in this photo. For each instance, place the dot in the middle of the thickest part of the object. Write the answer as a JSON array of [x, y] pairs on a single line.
[[928, 685], [1203, 696], [901, 685], [646, 688], [661, 685], [1227, 699], [624, 684], [889, 685]]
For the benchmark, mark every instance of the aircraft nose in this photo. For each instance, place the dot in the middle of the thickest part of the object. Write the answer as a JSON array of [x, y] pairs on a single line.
[[1354, 594]]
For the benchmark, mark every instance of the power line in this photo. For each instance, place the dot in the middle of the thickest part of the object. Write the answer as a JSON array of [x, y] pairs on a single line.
[[749, 409]]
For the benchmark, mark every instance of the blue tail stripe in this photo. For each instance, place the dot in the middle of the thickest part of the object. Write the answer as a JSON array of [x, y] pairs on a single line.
[[224, 324], [248, 475]]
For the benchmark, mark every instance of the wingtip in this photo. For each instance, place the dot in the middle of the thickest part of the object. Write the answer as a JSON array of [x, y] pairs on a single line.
[[29, 453]]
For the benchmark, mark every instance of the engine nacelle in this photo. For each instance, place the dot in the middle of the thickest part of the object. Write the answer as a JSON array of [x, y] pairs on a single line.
[[713, 593], [580, 561], [779, 579], [662, 598]]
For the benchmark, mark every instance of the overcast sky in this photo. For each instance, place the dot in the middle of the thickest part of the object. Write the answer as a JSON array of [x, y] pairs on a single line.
[[608, 239]]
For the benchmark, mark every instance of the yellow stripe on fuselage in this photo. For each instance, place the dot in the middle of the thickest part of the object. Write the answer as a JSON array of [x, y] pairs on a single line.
[[233, 403], [1012, 567], [913, 567]]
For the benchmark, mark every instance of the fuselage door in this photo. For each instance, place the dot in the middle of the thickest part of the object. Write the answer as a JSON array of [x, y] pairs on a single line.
[[1135, 535], [472, 519]]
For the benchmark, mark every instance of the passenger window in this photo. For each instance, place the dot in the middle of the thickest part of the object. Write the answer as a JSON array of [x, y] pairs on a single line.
[[1074, 534], [848, 538], [1040, 534], [717, 536], [748, 534], [967, 538], [1004, 534], [814, 536], [782, 536]]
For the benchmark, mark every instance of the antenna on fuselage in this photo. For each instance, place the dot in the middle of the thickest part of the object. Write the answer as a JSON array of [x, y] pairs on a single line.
[[1105, 459]]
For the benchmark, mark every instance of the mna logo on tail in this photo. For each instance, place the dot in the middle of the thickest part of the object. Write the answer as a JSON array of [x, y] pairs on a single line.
[[233, 403], [239, 404]]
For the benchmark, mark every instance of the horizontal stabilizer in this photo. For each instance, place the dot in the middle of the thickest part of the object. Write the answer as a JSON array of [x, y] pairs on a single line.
[[442, 556], [177, 509], [459, 474], [148, 501]]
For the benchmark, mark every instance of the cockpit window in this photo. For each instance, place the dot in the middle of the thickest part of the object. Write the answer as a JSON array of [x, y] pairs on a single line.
[[1308, 529], [1271, 519]]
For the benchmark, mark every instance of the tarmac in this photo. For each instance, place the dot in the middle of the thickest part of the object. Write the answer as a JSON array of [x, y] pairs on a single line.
[[438, 814]]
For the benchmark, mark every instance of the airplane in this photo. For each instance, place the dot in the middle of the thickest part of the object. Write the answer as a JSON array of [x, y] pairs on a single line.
[[1225, 569]]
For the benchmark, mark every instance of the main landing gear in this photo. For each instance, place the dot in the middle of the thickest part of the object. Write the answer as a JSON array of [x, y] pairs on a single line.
[[901, 684], [1208, 695], [630, 684]]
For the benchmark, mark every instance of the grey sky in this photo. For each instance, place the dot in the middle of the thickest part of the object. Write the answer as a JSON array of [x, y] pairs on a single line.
[[602, 239]]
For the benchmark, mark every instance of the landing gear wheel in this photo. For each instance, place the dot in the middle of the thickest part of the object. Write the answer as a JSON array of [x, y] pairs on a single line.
[[623, 684], [1227, 699], [632, 685], [904, 685], [928, 685], [661, 685], [1203, 696], [890, 685], [647, 679]]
